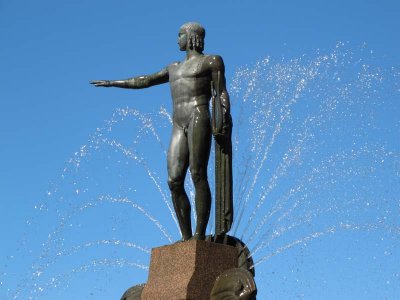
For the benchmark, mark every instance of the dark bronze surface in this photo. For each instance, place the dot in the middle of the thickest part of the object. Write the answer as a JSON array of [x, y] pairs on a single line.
[[133, 293], [193, 81], [234, 284]]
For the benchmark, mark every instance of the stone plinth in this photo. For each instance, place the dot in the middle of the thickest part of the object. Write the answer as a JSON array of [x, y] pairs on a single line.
[[187, 270]]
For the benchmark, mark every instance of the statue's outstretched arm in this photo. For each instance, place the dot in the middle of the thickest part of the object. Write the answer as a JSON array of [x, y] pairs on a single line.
[[138, 82]]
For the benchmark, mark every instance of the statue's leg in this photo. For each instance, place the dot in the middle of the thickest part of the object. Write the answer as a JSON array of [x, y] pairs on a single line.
[[199, 137], [178, 161]]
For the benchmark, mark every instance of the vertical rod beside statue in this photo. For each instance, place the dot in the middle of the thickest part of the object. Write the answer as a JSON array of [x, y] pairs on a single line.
[[222, 127]]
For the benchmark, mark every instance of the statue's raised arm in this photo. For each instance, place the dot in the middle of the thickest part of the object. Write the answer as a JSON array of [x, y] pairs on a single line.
[[138, 82]]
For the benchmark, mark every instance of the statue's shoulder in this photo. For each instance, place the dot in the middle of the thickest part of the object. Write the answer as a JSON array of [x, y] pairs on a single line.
[[215, 62], [174, 64]]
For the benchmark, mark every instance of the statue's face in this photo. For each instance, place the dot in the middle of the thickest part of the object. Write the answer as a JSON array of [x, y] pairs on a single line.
[[182, 40]]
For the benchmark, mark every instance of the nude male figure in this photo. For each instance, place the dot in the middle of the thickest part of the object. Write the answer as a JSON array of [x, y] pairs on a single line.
[[190, 82]]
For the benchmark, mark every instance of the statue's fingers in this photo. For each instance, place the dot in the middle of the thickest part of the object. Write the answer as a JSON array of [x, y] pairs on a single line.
[[100, 83]]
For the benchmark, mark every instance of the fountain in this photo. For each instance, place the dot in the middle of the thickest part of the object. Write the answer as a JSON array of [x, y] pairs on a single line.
[[316, 171]]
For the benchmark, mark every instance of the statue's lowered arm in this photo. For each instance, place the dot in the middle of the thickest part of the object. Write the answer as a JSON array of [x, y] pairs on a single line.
[[222, 127], [221, 104], [138, 82]]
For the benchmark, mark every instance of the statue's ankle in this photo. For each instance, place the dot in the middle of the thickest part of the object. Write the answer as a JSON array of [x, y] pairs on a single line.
[[186, 238], [198, 236]]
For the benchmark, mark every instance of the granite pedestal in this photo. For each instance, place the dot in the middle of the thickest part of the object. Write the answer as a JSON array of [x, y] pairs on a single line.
[[187, 270]]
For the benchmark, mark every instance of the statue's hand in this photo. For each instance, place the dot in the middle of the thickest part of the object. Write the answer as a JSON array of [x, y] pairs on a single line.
[[103, 83], [227, 125]]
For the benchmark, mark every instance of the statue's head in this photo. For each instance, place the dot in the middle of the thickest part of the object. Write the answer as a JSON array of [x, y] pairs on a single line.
[[191, 35]]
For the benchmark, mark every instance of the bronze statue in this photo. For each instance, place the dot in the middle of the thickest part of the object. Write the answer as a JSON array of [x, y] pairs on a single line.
[[194, 81]]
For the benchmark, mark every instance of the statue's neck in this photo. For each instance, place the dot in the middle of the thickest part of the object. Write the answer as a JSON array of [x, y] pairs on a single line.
[[192, 53]]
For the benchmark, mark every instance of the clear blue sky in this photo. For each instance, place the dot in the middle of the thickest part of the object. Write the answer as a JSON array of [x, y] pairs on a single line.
[[50, 50]]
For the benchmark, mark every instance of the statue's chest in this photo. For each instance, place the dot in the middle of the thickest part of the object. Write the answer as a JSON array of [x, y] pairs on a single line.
[[187, 69]]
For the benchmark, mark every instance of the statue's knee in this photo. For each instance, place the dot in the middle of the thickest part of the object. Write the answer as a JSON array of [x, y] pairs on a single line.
[[175, 184], [197, 177]]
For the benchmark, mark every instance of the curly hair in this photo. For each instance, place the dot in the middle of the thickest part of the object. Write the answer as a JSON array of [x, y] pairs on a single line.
[[196, 34]]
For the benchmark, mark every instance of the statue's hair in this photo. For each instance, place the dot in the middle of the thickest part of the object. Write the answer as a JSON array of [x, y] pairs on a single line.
[[196, 34]]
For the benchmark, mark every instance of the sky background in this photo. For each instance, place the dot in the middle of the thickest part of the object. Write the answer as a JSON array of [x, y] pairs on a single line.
[[50, 50]]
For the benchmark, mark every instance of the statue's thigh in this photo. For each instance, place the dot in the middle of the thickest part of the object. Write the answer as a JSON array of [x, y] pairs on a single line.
[[178, 154], [199, 138]]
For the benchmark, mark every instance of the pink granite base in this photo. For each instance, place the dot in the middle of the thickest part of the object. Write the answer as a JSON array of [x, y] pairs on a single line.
[[187, 270]]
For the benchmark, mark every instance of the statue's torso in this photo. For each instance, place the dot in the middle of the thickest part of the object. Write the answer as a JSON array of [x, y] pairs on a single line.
[[190, 83]]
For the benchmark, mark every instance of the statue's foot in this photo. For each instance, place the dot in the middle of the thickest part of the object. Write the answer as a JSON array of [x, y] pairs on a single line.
[[183, 239], [198, 236]]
